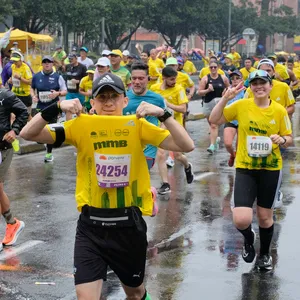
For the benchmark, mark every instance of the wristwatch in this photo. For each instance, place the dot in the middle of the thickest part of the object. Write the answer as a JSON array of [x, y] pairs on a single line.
[[167, 114]]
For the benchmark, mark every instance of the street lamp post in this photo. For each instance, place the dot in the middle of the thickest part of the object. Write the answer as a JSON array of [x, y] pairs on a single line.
[[229, 26]]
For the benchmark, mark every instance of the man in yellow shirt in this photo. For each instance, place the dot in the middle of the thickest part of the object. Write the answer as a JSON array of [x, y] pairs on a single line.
[[113, 182], [175, 98], [280, 93], [155, 60], [247, 69], [21, 80], [182, 79], [188, 66], [85, 87], [281, 73], [296, 71], [236, 57]]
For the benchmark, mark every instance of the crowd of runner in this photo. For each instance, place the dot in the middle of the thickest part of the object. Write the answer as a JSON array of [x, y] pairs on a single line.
[[124, 113]]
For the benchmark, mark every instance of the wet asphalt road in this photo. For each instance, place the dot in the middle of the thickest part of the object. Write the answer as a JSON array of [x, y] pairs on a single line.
[[194, 250]]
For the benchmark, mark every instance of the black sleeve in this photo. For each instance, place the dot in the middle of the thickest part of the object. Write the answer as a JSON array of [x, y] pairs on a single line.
[[83, 71], [19, 109]]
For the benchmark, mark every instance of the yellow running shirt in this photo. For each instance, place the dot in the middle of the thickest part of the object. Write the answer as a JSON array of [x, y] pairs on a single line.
[[205, 71], [110, 153], [86, 84], [157, 62], [255, 124], [20, 88], [175, 95], [282, 71], [281, 93], [153, 72], [246, 73], [189, 67]]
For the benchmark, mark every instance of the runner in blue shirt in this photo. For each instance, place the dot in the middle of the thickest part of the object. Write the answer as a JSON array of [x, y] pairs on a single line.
[[138, 94]]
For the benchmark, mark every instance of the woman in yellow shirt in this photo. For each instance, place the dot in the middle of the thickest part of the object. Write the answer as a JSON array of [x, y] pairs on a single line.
[[264, 127]]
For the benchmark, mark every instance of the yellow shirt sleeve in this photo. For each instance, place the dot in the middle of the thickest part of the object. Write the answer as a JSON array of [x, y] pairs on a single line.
[[285, 125], [27, 73], [151, 134], [182, 98], [290, 100]]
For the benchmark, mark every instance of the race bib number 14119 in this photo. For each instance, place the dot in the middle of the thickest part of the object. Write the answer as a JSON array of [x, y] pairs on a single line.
[[112, 170], [259, 146]]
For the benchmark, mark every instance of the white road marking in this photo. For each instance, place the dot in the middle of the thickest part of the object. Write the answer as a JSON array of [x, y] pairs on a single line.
[[201, 176], [9, 252]]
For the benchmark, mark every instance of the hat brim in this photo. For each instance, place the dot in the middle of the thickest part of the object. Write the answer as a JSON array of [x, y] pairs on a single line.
[[259, 77], [101, 65], [15, 58], [116, 89], [233, 73], [90, 71]]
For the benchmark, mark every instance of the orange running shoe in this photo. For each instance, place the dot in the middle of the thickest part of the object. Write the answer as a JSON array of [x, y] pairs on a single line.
[[12, 232]]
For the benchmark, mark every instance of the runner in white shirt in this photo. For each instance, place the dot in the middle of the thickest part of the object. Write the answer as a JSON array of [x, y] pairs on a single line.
[[83, 59]]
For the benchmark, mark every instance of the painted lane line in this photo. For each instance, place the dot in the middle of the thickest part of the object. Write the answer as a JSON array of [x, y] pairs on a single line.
[[201, 176], [13, 251]]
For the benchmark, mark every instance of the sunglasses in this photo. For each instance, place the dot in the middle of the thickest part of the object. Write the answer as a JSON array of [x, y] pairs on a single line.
[[213, 67], [259, 74]]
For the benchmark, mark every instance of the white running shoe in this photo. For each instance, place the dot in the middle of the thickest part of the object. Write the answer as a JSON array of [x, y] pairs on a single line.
[[170, 162], [278, 201]]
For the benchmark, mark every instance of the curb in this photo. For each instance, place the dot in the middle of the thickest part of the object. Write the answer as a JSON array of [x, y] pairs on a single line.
[[196, 116], [30, 148]]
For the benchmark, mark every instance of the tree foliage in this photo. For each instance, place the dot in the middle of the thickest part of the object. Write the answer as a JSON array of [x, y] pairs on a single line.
[[174, 19]]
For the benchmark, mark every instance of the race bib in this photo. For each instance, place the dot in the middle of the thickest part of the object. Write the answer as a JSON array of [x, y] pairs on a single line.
[[45, 96], [16, 82], [112, 171], [259, 146], [71, 85]]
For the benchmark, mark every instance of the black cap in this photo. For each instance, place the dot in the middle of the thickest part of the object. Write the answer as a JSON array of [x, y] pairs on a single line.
[[236, 72], [48, 57], [110, 80], [72, 55]]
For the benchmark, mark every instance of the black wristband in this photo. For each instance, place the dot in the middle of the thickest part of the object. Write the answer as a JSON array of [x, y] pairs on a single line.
[[167, 114], [284, 141], [50, 112]]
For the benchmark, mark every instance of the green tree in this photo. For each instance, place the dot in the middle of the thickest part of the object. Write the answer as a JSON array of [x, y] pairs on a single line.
[[174, 19], [6, 10], [214, 24], [34, 15], [271, 21], [122, 19]]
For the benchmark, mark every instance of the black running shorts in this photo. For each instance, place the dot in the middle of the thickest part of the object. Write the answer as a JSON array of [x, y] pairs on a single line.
[[229, 124], [27, 100], [122, 249], [250, 185]]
